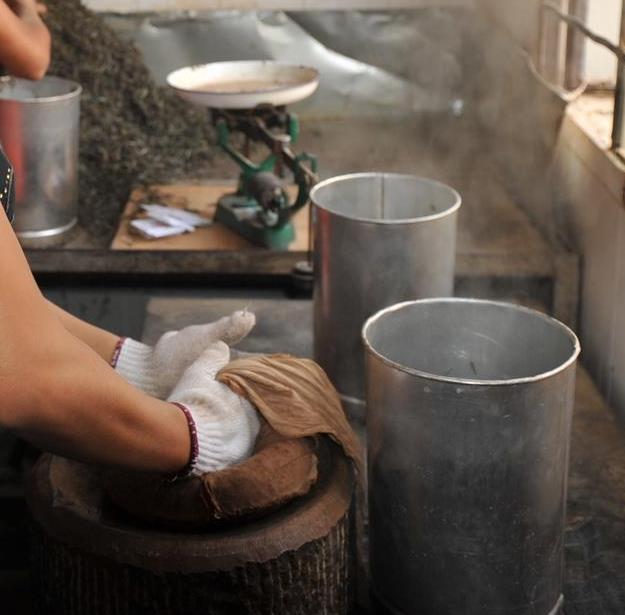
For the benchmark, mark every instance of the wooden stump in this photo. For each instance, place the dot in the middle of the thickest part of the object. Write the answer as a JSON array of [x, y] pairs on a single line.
[[89, 560]]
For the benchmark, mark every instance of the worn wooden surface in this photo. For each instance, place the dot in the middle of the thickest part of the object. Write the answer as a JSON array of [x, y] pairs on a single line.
[[309, 581], [595, 537], [200, 198]]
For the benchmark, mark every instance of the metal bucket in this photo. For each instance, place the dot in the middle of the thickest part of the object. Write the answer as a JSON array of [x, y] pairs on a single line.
[[378, 239], [39, 128], [469, 407]]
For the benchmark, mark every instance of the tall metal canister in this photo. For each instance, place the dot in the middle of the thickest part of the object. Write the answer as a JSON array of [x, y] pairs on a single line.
[[469, 407], [379, 239], [39, 129]]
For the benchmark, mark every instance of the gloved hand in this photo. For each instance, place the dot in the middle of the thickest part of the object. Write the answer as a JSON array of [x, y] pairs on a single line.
[[223, 425], [155, 370]]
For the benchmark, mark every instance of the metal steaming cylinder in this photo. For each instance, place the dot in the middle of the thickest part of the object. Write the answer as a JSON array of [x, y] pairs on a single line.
[[469, 407], [378, 239], [39, 129]]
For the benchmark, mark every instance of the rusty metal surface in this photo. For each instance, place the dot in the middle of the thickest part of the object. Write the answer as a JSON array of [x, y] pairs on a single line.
[[595, 537]]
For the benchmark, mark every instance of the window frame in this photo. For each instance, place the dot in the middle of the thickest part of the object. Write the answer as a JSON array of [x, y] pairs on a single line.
[[562, 36]]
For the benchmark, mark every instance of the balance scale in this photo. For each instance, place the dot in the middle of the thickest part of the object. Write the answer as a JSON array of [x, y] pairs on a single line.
[[250, 99]]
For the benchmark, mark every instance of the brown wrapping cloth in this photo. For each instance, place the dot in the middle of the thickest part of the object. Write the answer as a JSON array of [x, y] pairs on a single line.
[[280, 470], [295, 397], [297, 400]]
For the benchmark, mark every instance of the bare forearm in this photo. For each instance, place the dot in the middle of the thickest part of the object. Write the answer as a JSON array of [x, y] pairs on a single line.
[[101, 341], [60, 394], [24, 40], [79, 407]]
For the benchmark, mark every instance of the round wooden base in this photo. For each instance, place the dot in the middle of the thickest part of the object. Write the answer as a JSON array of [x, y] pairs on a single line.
[[87, 559]]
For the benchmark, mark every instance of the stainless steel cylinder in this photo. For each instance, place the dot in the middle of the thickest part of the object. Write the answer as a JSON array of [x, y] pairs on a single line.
[[378, 239], [39, 128], [469, 407]]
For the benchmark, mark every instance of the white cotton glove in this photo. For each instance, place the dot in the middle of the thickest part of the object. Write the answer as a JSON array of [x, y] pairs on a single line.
[[156, 369], [223, 425]]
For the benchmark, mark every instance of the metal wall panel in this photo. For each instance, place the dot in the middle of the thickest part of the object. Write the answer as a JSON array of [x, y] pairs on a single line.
[[435, 42]]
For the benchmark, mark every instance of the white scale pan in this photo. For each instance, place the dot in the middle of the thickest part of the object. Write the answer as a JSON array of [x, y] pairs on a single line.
[[244, 85]]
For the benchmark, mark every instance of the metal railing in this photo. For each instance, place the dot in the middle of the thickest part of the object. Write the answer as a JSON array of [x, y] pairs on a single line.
[[573, 62]]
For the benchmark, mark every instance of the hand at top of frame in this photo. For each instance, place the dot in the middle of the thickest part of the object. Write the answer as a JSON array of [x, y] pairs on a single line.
[[27, 8]]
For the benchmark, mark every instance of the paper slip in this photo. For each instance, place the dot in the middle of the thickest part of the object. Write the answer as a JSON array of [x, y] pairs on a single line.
[[153, 229], [175, 215], [165, 218]]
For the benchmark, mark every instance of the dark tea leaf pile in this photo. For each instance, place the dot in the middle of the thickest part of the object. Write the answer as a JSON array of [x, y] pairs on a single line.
[[132, 131]]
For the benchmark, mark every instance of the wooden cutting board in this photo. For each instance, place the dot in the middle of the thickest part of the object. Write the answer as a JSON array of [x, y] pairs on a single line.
[[200, 198]]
